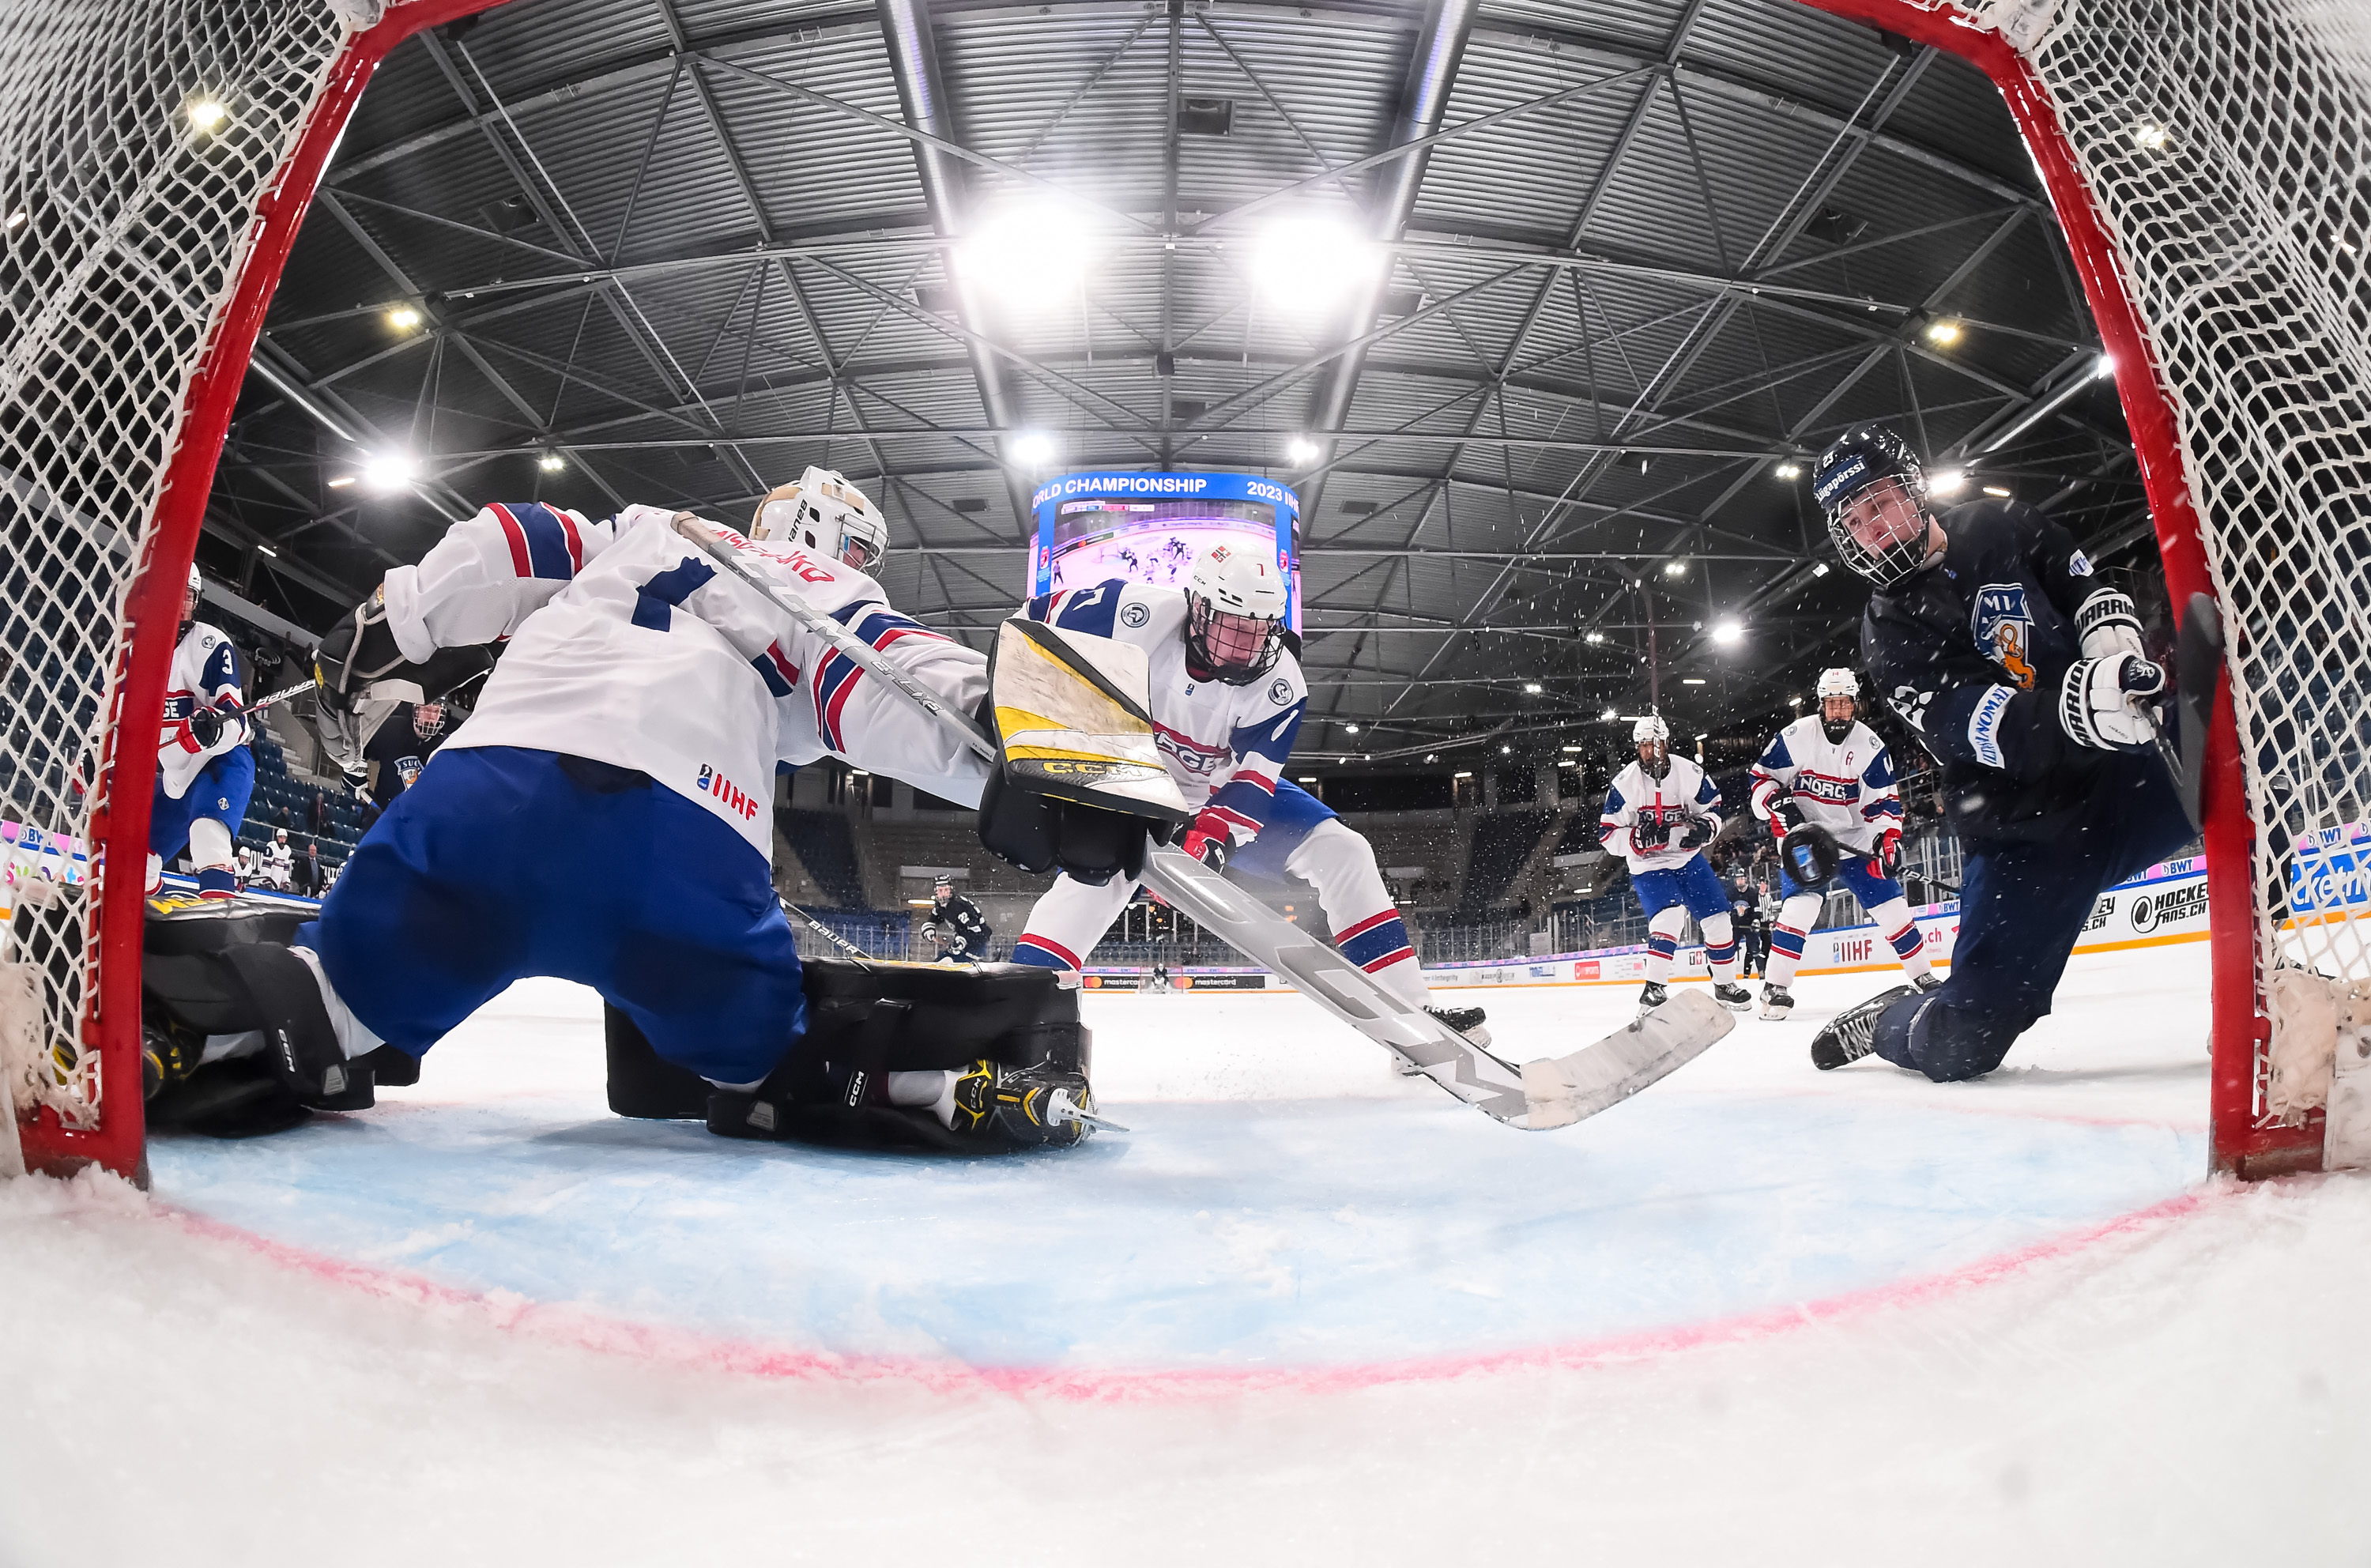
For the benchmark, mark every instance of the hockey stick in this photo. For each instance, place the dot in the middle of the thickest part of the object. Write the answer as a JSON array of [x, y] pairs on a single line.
[[1550, 1092], [834, 938]]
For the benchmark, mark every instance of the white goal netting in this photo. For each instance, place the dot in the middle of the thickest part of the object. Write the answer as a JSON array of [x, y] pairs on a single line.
[[136, 140], [2229, 148]]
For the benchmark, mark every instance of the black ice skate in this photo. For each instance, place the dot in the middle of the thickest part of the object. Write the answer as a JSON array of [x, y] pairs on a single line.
[[1852, 1033], [1043, 1104], [1465, 1021], [1928, 982], [1777, 1001], [1653, 996], [1735, 998]]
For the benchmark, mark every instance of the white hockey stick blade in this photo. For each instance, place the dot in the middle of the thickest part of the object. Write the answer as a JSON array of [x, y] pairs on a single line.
[[1415, 1037], [1564, 1090]]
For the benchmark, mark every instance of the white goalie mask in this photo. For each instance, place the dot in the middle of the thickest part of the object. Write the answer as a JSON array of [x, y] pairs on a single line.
[[823, 513]]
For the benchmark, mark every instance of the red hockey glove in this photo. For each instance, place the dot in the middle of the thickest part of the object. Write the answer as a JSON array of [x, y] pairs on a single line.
[[1887, 861], [1208, 841], [1786, 816]]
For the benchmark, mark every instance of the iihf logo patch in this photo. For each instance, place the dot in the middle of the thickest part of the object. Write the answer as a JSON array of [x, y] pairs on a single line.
[[1280, 692], [2004, 630], [1135, 616]]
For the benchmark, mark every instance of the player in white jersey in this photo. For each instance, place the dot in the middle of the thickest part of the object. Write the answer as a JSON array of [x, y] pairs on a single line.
[[604, 815], [205, 772], [1227, 699], [1827, 781], [1658, 814]]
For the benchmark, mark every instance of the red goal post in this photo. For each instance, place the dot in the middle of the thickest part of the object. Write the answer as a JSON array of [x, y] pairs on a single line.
[[109, 431]]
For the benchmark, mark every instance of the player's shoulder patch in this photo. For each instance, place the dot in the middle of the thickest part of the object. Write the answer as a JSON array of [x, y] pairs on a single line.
[[1135, 614], [2078, 565], [1280, 692], [2001, 620]]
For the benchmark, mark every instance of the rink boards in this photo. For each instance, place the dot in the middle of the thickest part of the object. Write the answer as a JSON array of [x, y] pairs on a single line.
[[2165, 905]]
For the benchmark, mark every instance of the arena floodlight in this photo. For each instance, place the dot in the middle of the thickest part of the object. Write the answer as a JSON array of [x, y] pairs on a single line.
[[1691, 680], [207, 115], [1301, 449], [1789, 471], [1950, 482], [1028, 257], [1595, 637], [1998, 492], [2106, 367], [551, 462], [1674, 568], [1819, 568], [1532, 688], [1031, 448], [1943, 333], [1432, 756], [1310, 263], [402, 318], [1726, 632], [341, 481], [1349, 729], [385, 471], [1506, 751], [1609, 716]]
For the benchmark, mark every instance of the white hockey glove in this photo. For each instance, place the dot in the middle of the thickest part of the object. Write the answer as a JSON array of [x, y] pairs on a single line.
[[2107, 626], [2099, 705]]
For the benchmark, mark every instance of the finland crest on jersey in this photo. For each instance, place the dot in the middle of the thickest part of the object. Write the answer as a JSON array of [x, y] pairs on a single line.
[[2003, 624]]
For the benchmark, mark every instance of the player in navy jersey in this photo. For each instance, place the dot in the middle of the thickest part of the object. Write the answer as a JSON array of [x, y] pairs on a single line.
[[2024, 677]]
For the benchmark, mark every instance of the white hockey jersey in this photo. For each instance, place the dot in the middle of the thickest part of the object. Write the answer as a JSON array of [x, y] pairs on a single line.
[[1226, 746], [629, 646], [1684, 793], [204, 675], [1844, 786]]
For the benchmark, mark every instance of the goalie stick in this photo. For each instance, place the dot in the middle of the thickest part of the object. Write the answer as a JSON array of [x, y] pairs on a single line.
[[1550, 1092]]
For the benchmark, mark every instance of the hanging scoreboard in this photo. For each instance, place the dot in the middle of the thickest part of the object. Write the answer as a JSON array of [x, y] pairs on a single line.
[[1150, 527]]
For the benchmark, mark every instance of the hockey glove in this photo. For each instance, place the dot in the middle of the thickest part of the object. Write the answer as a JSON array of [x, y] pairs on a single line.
[[207, 724], [1697, 834], [1887, 861], [1811, 854], [1208, 841], [1786, 816], [2107, 626], [1646, 835], [2096, 706]]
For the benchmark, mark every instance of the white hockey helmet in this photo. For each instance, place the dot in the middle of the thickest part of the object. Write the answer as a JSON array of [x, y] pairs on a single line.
[[197, 592], [827, 514], [1835, 684], [1653, 739], [1234, 616]]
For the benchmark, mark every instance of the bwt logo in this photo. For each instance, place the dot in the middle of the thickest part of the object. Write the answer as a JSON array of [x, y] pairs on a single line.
[[728, 794]]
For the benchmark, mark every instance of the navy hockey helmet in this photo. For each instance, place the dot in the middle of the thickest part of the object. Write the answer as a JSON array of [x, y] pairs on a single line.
[[1873, 489]]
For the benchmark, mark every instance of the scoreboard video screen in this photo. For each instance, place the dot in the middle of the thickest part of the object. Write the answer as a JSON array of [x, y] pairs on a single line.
[[1150, 527]]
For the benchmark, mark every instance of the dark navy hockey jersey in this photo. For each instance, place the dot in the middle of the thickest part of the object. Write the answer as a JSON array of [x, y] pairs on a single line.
[[1971, 652], [960, 918]]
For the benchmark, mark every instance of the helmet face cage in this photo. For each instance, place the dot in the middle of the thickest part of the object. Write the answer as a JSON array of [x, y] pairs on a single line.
[[427, 718], [1234, 650], [1869, 477], [1833, 685], [1653, 739]]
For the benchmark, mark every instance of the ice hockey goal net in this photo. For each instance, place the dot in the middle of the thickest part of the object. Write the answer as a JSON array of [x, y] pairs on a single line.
[[2205, 158]]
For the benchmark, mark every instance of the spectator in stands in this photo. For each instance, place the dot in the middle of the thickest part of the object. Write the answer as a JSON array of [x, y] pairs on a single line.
[[317, 814], [308, 879]]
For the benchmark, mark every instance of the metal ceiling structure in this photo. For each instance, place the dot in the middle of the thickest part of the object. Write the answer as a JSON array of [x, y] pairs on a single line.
[[1642, 259]]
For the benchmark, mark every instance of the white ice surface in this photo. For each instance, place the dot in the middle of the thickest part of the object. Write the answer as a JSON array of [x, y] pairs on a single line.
[[1760, 1314]]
